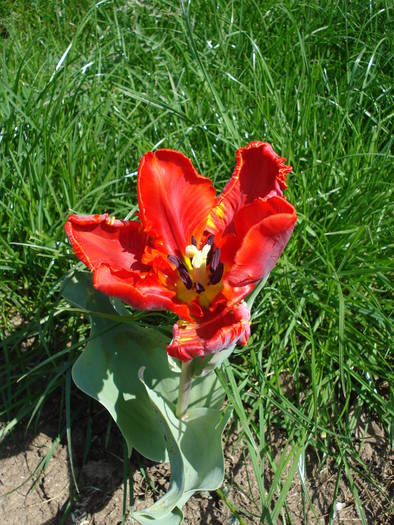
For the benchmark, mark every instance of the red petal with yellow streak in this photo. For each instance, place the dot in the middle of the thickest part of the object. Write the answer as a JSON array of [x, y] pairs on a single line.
[[214, 334]]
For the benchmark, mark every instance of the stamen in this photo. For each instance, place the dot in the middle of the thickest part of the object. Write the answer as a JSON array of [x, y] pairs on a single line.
[[184, 275], [209, 256], [210, 242], [199, 268], [215, 260], [199, 287], [217, 274], [175, 260]]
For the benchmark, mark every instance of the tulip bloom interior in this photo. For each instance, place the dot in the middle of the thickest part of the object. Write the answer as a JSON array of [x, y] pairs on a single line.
[[191, 252]]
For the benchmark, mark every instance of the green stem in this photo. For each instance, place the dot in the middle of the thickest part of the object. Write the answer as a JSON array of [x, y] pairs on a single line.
[[230, 505], [185, 383]]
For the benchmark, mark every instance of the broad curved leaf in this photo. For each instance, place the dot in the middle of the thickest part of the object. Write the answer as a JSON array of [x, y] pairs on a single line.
[[108, 370], [195, 454]]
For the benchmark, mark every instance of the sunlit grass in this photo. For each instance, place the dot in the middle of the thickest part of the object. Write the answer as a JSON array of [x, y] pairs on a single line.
[[85, 92]]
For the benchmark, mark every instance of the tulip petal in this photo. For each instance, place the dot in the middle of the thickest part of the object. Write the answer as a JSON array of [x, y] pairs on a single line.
[[261, 244], [145, 293], [99, 239], [259, 172], [114, 250], [174, 199], [215, 333], [258, 210]]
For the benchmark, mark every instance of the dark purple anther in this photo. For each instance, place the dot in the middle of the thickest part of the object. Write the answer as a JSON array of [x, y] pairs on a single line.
[[210, 241], [194, 242], [199, 287], [184, 275], [175, 260], [215, 260], [217, 274]]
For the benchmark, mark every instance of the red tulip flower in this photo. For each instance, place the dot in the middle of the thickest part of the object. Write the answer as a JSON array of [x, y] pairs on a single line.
[[193, 253]]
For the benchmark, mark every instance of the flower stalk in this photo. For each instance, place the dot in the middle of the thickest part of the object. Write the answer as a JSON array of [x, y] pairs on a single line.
[[185, 383]]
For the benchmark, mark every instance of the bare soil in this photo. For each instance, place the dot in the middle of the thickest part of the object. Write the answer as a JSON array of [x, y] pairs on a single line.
[[52, 499]]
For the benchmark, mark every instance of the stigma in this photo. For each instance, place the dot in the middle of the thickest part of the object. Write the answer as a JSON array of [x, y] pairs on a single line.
[[197, 261], [197, 257]]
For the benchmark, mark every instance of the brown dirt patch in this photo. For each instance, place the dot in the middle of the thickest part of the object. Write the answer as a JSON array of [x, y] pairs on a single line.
[[101, 489]]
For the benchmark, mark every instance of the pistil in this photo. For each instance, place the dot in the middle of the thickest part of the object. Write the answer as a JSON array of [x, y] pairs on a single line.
[[199, 264], [200, 268]]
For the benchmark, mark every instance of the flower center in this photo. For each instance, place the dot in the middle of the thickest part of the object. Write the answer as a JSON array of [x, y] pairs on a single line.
[[200, 269]]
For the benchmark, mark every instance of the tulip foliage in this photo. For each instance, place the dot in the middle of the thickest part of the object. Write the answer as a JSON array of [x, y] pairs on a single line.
[[125, 369], [198, 256]]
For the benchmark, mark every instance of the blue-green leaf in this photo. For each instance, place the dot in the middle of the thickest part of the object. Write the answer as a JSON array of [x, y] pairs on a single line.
[[195, 454], [108, 370]]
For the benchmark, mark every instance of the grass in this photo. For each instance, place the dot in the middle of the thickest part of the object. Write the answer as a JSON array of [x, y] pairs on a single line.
[[85, 92]]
